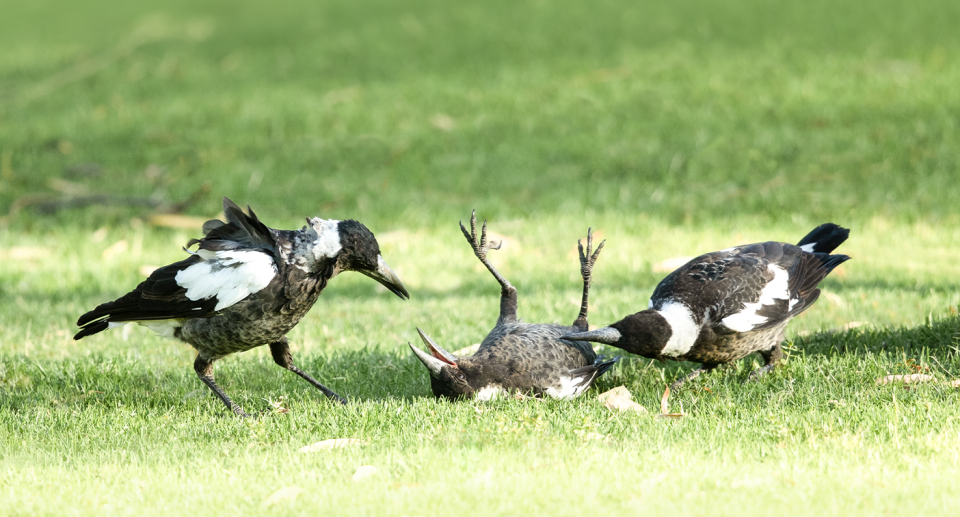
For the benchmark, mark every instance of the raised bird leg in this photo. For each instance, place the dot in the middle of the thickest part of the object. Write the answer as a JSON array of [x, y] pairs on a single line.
[[508, 293], [204, 369], [586, 268], [281, 354], [772, 357], [704, 368]]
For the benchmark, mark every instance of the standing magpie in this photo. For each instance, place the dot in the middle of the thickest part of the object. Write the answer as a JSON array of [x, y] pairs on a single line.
[[516, 356], [246, 285], [728, 304]]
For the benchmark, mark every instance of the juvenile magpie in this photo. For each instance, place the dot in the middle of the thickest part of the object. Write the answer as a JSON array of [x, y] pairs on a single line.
[[246, 285], [728, 304], [516, 356]]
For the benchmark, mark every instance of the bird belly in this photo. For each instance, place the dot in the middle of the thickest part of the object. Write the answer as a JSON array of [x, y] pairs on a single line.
[[714, 348]]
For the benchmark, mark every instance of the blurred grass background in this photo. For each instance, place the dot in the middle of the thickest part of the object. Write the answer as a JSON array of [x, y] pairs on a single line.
[[672, 128]]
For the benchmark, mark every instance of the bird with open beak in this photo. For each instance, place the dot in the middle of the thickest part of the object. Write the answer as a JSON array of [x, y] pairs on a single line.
[[247, 285], [516, 356]]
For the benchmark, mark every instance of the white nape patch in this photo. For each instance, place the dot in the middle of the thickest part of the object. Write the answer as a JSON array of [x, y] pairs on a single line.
[[230, 275], [776, 289], [570, 387], [684, 329], [490, 392], [327, 244], [809, 247], [650, 303]]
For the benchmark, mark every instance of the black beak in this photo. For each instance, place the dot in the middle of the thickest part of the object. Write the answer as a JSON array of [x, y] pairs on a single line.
[[387, 278]]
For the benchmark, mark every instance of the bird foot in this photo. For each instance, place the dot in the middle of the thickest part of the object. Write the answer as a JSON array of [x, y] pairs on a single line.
[[759, 372], [480, 246], [586, 259]]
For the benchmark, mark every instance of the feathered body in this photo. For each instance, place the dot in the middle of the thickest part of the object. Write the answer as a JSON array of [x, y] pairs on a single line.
[[725, 305], [516, 356], [246, 286]]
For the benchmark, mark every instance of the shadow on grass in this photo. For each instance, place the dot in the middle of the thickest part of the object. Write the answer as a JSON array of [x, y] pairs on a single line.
[[371, 374]]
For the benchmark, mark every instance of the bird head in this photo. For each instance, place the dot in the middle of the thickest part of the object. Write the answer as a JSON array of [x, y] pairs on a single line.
[[450, 377], [644, 333], [353, 248]]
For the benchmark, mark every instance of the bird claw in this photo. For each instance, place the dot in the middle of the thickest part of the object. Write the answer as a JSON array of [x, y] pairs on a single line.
[[480, 246], [587, 261], [759, 372]]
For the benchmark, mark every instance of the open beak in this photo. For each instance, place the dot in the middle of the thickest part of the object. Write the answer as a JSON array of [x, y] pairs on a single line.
[[387, 278], [608, 335], [435, 349], [436, 359]]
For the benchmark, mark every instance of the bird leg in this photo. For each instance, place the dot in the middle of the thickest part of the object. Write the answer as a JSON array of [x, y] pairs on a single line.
[[204, 369], [772, 357], [704, 368], [508, 293], [586, 268], [281, 354]]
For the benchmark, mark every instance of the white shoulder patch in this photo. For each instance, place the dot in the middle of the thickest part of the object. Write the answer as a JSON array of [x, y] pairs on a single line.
[[327, 244], [230, 276], [776, 289], [684, 329], [809, 247]]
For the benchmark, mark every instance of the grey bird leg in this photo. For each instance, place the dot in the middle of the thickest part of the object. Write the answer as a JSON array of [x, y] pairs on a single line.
[[508, 293], [204, 369], [704, 368], [586, 269], [281, 354], [772, 357]]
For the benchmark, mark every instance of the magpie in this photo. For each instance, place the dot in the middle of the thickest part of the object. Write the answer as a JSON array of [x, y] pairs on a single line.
[[246, 285], [725, 305], [516, 356]]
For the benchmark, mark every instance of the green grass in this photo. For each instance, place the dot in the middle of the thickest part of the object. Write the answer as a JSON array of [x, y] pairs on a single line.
[[673, 128]]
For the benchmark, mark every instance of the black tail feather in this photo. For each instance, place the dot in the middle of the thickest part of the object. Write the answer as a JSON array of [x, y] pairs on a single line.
[[825, 238], [91, 329]]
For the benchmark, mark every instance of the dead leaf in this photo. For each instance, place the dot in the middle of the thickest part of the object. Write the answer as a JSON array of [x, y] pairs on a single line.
[[467, 350], [115, 249], [913, 378], [670, 265], [335, 443], [665, 401], [24, 253], [955, 384], [184, 222], [622, 404], [619, 391], [364, 472], [287, 493], [443, 122]]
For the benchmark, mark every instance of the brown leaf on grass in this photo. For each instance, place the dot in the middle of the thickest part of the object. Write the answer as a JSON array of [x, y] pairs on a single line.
[[620, 399], [905, 379], [364, 472], [467, 350], [335, 443], [183, 222], [955, 384], [287, 493], [671, 264], [665, 406]]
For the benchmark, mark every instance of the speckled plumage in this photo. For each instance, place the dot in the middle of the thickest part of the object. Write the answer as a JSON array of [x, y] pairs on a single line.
[[729, 303], [516, 356], [298, 264]]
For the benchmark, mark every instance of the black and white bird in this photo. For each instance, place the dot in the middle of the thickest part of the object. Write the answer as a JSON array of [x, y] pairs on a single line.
[[246, 285], [725, 305], [516, 356]]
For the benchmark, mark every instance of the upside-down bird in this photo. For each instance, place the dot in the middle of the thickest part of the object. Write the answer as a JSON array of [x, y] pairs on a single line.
[[515, 356], [725, 305], [246, 285]]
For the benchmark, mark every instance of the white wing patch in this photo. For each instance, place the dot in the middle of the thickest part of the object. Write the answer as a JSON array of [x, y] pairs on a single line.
[[570, 387], [684, 329], [776, 289], [809, 247], [230, 276]]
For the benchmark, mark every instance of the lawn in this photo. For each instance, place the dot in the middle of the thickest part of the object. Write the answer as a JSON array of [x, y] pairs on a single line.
[[673, 129]]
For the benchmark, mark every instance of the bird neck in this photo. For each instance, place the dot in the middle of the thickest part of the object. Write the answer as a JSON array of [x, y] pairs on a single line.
[[310, 252], [644, 333]]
